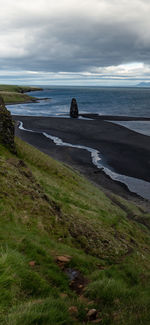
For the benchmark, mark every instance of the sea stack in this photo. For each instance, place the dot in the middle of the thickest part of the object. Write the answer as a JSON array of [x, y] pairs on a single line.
[[74, 108], [6, 127]]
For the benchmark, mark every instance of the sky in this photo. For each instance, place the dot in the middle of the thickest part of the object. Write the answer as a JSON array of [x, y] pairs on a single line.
[[75, 42]]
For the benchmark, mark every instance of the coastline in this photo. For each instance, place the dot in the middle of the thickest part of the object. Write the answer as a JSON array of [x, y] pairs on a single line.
[[115, 117], [124, 150], [13, 95], [34, 100], [24, 102]]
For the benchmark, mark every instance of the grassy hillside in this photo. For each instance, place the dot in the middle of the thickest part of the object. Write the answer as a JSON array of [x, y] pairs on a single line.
[[15, 94], [66, 248]]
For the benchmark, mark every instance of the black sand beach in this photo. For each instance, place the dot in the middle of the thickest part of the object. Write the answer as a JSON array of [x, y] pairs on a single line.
[[126, 151]]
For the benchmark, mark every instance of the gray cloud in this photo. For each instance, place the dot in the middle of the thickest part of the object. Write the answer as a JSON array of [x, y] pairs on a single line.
[[71, 36]]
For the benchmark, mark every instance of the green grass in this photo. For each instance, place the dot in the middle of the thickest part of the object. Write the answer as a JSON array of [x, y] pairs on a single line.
[[18, 89], [47, 209], [15, 98], [15, 94]]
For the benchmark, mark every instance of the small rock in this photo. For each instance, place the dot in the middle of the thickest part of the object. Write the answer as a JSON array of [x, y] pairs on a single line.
[[96, 321], [32, 263], [73, 310], [80, 286], [92, 313], [64, 259]]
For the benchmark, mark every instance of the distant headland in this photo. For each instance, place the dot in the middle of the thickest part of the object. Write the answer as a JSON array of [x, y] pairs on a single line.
[[144, 84], [13, 94]]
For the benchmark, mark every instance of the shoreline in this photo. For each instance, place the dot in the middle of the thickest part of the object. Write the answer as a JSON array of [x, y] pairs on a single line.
[[32, 101], [75, 131], [115, 117]]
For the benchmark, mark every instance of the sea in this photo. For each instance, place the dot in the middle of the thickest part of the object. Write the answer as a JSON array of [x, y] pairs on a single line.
[[127, 101], [100, 100], [55, 102]]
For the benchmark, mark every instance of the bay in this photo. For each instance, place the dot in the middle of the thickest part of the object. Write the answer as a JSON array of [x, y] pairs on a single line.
[[99, 100]]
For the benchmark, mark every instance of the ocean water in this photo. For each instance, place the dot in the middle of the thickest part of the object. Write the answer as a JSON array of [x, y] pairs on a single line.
[[100, 100]]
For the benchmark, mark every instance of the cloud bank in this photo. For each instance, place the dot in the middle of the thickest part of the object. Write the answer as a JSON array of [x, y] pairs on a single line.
[[104, 39]]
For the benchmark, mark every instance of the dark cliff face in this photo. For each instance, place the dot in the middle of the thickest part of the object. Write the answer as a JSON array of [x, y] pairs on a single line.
[[6, 127]]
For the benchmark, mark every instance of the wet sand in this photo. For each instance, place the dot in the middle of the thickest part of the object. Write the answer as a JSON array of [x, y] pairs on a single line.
[[126, 151]]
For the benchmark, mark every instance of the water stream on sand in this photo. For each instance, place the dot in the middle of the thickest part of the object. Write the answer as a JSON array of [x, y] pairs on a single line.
[[135, 185]]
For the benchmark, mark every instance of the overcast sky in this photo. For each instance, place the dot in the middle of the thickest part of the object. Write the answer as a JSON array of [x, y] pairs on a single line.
[[98, 42]]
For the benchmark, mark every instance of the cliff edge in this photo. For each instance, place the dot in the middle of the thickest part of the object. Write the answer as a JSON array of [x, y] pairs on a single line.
[[6, 127]]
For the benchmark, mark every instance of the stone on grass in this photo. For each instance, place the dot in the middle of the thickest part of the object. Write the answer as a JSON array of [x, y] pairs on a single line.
[[92, 313], [96, 321], [32, 263], [73, 310], [64, 259]]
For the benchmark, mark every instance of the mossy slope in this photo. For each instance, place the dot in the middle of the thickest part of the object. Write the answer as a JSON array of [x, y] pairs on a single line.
[[46, 210]]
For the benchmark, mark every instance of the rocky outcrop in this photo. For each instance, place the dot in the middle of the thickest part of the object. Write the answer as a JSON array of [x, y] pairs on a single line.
[[6, 127], [74, 108]]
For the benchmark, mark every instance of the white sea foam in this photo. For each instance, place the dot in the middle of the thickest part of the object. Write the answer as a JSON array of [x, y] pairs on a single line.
[[85, 118], [135, 185]]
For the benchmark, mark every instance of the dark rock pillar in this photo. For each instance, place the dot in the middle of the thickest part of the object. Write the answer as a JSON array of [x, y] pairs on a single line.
[[6, 127], [74, 108]]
